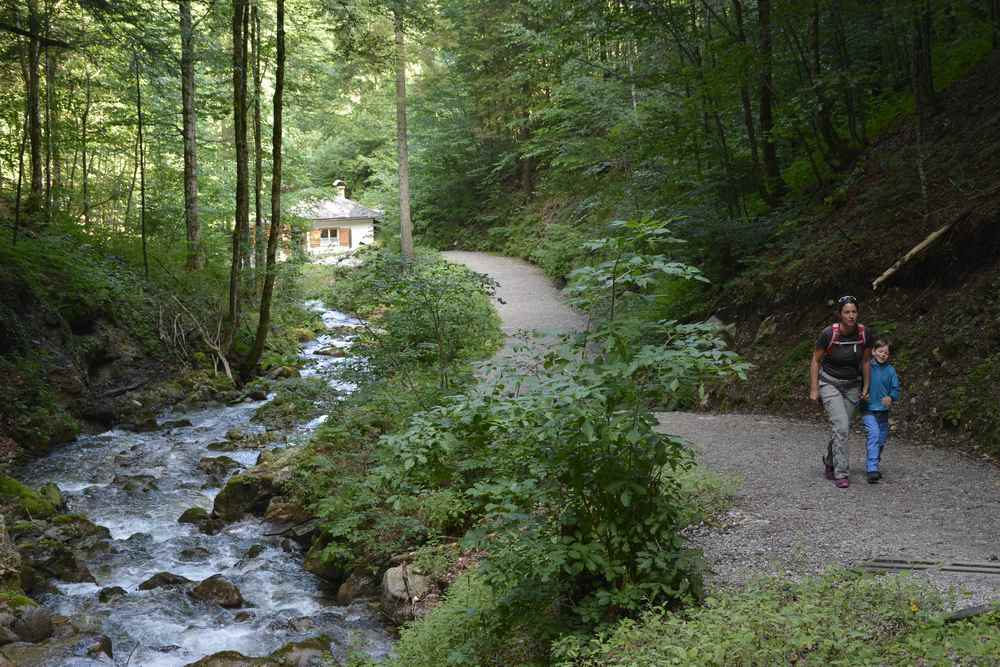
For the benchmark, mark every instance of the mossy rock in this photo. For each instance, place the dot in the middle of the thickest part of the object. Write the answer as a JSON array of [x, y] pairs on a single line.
[[15, 599], [26, 502], [242, 495], [331, 571]]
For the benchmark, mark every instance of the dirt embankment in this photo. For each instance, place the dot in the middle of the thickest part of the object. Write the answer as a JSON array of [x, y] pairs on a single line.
[[941, 309], [70, 366]]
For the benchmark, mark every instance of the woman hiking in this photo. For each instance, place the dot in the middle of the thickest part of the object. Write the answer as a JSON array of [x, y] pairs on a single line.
[[839, 376]]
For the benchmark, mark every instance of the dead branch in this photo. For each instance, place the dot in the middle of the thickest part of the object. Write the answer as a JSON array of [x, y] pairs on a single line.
[[124, 390], [214, 344], [917, 249]]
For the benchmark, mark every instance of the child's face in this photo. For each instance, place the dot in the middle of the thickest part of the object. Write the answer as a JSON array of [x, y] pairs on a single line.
[[881, 354]]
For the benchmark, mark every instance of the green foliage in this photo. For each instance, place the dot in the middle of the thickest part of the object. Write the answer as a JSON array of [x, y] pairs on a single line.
[[840, 618], [27, 502], [296, 400], [31, 415], [425, 314], [470, 628], [628, 264]]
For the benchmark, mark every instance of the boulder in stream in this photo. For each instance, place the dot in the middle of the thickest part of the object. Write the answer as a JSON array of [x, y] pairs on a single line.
[[175, 423], [322, 567], [54, 559], [34, 624], [282, 372], [358, 586], [217, 467], [402, 589], [135, 483], [53, 495], [200, 517], [313, 652], [22, 502], [164, 580], [220, 590], [194, 554], [111, 593], [242, 495], [286, 511]]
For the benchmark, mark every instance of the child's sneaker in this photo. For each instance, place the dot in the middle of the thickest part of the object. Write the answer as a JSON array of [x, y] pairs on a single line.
[[874, 476], [842, 483]]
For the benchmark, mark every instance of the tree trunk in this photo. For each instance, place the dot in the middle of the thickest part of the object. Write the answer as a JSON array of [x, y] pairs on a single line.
[[241, 221], [190, 119], [921, 67], [275, 233], [142, 173], [246, 275], [53, 127], [995, 21], [837, 154], [745, 98], [20, 179], [774, 185], [83, 153], [405, 224], [33, 82], [131, 187], [258, 172]]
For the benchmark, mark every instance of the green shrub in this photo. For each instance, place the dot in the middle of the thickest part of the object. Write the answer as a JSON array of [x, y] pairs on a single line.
[[841, 618], [471, 628], [428, 313]]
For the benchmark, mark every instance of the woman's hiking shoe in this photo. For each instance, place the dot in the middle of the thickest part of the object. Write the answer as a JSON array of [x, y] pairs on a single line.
[[874, 476], [842, 483], [827, 470]]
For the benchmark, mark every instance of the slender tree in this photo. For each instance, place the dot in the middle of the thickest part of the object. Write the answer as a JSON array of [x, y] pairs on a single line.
[[405, 224], [85, 166], [274, 236], [32, 79], [258, 156], [772, 173], [142, 170], [195, 257], [241, 222]]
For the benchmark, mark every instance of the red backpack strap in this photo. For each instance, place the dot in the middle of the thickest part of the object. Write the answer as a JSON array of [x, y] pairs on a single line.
[[834, 336], [861, 330]]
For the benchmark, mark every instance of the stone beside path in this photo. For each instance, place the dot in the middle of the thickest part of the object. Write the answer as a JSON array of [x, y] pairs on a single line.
[[933, 504]]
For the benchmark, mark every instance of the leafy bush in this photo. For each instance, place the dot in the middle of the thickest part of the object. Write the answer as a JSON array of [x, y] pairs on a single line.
[[840, 618], [470, 628], [428, 313]]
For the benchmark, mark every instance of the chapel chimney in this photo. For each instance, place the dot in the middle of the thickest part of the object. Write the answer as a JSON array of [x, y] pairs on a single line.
[[341, 188]]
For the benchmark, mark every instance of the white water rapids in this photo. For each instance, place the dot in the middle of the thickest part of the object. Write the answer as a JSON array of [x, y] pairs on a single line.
[[166, 627]]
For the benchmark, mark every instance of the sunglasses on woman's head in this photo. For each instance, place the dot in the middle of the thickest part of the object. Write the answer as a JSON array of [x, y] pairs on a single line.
[[846, 299]]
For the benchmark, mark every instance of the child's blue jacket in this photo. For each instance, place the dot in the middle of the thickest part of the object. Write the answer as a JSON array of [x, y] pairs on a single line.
[[884, 382]]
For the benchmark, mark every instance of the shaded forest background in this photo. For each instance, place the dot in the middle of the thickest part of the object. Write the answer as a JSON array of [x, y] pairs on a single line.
[[799, 147]]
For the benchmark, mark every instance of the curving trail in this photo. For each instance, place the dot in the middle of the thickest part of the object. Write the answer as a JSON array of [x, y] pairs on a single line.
[[933, 504]]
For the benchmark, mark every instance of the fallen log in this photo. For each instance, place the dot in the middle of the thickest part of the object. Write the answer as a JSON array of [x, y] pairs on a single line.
[[917, 249], [124, 390]]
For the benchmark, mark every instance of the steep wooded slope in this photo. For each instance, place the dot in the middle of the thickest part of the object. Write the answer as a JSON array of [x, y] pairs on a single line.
[[941, 309]]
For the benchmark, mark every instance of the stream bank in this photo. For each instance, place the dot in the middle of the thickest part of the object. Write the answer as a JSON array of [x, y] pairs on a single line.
[[125, 582]]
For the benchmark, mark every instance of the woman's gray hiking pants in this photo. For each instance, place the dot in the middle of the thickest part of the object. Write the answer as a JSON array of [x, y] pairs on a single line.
[[841, 403]]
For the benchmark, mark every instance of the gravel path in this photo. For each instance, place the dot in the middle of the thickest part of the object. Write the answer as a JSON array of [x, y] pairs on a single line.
[[933, 504]]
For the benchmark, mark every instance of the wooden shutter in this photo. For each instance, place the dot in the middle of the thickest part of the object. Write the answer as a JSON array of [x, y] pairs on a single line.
[[314, 238], [345, 236]]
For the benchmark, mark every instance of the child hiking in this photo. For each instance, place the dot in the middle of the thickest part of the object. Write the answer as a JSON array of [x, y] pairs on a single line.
[[883, 393]]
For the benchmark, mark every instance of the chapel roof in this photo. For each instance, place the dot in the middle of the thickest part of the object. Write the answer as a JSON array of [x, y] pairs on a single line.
[[339, 207]]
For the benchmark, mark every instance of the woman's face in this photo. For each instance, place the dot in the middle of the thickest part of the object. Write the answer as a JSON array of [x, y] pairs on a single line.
[[848, 315]]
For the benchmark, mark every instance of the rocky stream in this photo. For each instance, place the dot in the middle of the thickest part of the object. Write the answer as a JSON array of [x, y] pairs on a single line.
[[142, 588]]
